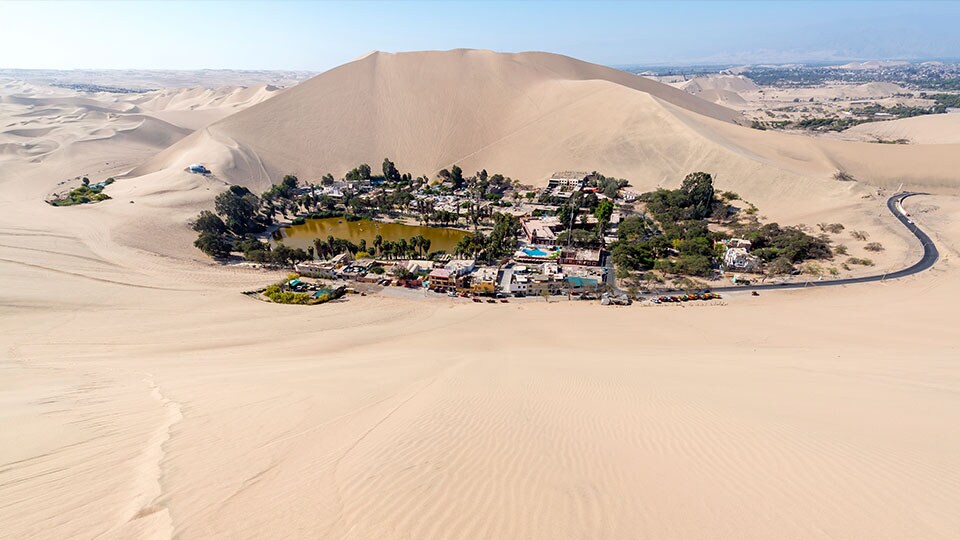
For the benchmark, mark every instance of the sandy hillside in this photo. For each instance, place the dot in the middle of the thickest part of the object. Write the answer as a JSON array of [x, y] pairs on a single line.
[[929, 129], [729, 83], [144, 397], [525, 115], [196, 107]]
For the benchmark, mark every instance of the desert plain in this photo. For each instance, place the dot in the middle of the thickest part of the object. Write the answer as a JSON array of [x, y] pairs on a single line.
[[144, 397]]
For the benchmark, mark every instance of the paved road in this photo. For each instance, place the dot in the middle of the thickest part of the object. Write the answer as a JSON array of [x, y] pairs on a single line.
[[930, 256]]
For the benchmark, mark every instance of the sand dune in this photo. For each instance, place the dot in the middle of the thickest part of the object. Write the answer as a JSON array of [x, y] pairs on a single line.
[[400, 105], [402, 419], [729, 83], [525, 115], [144, 397], [930, 129], [196, 107]]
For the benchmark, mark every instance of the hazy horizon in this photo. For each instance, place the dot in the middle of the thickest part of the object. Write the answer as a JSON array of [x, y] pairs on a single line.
[[316, 36]]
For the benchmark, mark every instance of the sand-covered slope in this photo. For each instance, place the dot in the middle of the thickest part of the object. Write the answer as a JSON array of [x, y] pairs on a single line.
[[728, 83], [428, 110], [525, 115], [929, 129], [142, 396], [196, 107]]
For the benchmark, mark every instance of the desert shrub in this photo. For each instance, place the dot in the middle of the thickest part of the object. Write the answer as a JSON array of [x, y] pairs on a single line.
[[860, 261], [873, 246], [860, 235], [843, 176], [832, 228], [839, 249], [780, 265], [813, 269]]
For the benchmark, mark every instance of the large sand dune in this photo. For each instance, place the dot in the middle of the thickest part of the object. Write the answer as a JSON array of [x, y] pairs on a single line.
[[526, 115], [141, 396]]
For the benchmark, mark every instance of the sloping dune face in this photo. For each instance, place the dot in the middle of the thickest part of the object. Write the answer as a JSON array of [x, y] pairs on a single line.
[[526, 115], [523, 114]]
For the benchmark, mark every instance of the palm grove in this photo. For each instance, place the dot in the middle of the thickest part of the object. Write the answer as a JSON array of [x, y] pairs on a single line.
[[239, 215]]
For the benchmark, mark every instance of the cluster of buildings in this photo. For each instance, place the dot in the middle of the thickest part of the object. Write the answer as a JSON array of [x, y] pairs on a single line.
[[464, 276], [541, 265]]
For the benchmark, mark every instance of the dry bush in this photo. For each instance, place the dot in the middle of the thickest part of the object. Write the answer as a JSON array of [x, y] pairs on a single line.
[[843, 176], [873, 246], [839, 249], [812, 269], [860, 261], [860, 235]]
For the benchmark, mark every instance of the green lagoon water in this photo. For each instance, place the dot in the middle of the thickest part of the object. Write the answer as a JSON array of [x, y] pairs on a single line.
[[302, 236]]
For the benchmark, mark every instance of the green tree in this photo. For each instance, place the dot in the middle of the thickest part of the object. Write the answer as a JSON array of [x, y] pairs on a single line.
[[390, 171], [698, 187], [289, 183], [603, 213], [209, 222], [214, 245], [238, 207], [456, 176]]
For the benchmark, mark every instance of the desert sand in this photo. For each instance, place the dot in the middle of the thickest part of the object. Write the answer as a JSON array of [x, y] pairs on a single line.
[[144, 397]]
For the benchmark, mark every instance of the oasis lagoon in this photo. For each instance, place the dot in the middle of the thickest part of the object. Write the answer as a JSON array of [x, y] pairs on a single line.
[[302, 236]]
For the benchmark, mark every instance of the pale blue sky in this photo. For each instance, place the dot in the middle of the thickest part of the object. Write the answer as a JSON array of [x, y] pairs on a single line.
[[316, 36]]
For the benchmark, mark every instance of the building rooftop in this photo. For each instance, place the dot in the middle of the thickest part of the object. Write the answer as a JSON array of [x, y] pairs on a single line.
[[569, 175], [485, 274]]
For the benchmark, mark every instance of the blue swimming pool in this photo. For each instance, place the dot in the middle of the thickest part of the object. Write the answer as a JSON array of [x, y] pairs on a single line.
[[532, 252]]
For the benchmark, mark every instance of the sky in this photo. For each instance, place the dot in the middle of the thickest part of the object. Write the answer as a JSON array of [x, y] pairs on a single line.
[[316, 36]]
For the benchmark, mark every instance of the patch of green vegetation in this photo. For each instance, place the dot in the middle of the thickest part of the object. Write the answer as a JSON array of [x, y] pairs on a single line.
[[677, 240], [946, 100], [771, 241], [84, 194], [277, 295]]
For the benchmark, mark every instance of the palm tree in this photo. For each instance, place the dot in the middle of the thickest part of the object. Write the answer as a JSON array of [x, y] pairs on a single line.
[[320, 247], [378, 243], [415, 242], [425, 244]]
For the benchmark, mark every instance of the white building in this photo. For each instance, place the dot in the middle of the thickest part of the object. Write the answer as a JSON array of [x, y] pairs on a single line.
[[737, 259]]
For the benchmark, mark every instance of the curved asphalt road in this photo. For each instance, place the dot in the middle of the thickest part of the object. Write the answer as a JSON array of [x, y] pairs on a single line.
[[930, 256]]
